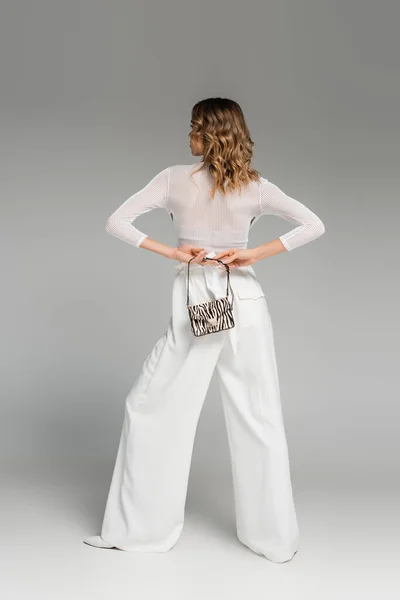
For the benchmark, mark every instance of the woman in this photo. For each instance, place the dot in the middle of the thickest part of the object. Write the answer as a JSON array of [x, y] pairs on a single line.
[[213, 204]]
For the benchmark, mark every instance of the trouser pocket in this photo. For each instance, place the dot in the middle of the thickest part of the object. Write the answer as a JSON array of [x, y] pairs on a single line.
[[246, 285]]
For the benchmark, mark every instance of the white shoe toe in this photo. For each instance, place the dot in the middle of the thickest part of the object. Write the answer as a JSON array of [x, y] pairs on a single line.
[[96, 540]]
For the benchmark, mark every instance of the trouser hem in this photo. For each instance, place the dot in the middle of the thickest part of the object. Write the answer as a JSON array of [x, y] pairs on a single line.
[[151, 548], [277, 554]]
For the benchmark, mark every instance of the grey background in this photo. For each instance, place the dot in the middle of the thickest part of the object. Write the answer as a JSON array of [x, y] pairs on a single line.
[[95, 100]]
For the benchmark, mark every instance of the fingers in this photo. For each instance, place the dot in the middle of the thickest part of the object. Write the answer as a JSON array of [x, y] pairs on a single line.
[[199, 257], [221, 254], [189, 249], [195, 250], [224, 253], [230, 260], [229, 257], [212, 261]]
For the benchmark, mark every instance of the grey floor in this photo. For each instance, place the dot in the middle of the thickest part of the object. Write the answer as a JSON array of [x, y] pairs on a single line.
[[349, 545]]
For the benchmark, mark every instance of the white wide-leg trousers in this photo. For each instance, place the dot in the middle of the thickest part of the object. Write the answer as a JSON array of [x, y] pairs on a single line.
[[146, 501]]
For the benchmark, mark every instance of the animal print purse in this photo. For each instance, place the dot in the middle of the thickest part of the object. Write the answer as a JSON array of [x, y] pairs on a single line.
[[215, 315]]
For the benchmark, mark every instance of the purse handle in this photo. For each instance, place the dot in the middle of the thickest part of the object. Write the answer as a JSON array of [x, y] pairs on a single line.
[[228, 281]]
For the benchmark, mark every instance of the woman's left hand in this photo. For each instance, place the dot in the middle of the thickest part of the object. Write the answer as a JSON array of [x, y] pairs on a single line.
[[185, 252], [237, 257]]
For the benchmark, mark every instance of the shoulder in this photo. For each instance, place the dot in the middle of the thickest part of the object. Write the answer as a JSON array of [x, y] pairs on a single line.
[[172, 175], [262, 185], [180, 173], [182, 169]]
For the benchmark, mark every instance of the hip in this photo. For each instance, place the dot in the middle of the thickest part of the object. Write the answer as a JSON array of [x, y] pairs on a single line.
[[207, 282]]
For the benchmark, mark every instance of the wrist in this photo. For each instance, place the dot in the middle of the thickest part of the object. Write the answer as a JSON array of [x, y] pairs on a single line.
[[256, 254], [171, 253], [269, 249], [159, 248]]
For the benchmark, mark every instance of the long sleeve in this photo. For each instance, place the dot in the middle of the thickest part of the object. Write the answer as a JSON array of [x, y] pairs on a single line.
[[274, 201], [153, 195]]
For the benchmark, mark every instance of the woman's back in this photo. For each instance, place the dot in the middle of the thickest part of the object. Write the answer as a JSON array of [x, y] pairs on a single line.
[[213, 223]]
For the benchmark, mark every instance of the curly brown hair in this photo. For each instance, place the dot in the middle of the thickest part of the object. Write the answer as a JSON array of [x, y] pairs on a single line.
[[227, 145]]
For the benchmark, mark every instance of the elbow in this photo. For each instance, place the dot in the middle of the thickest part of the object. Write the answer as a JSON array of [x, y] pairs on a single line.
[[307, 232], [317, 228], [110, 225]]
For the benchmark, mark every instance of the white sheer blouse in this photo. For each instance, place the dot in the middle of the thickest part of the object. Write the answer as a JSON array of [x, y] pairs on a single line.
[[212, 223]]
